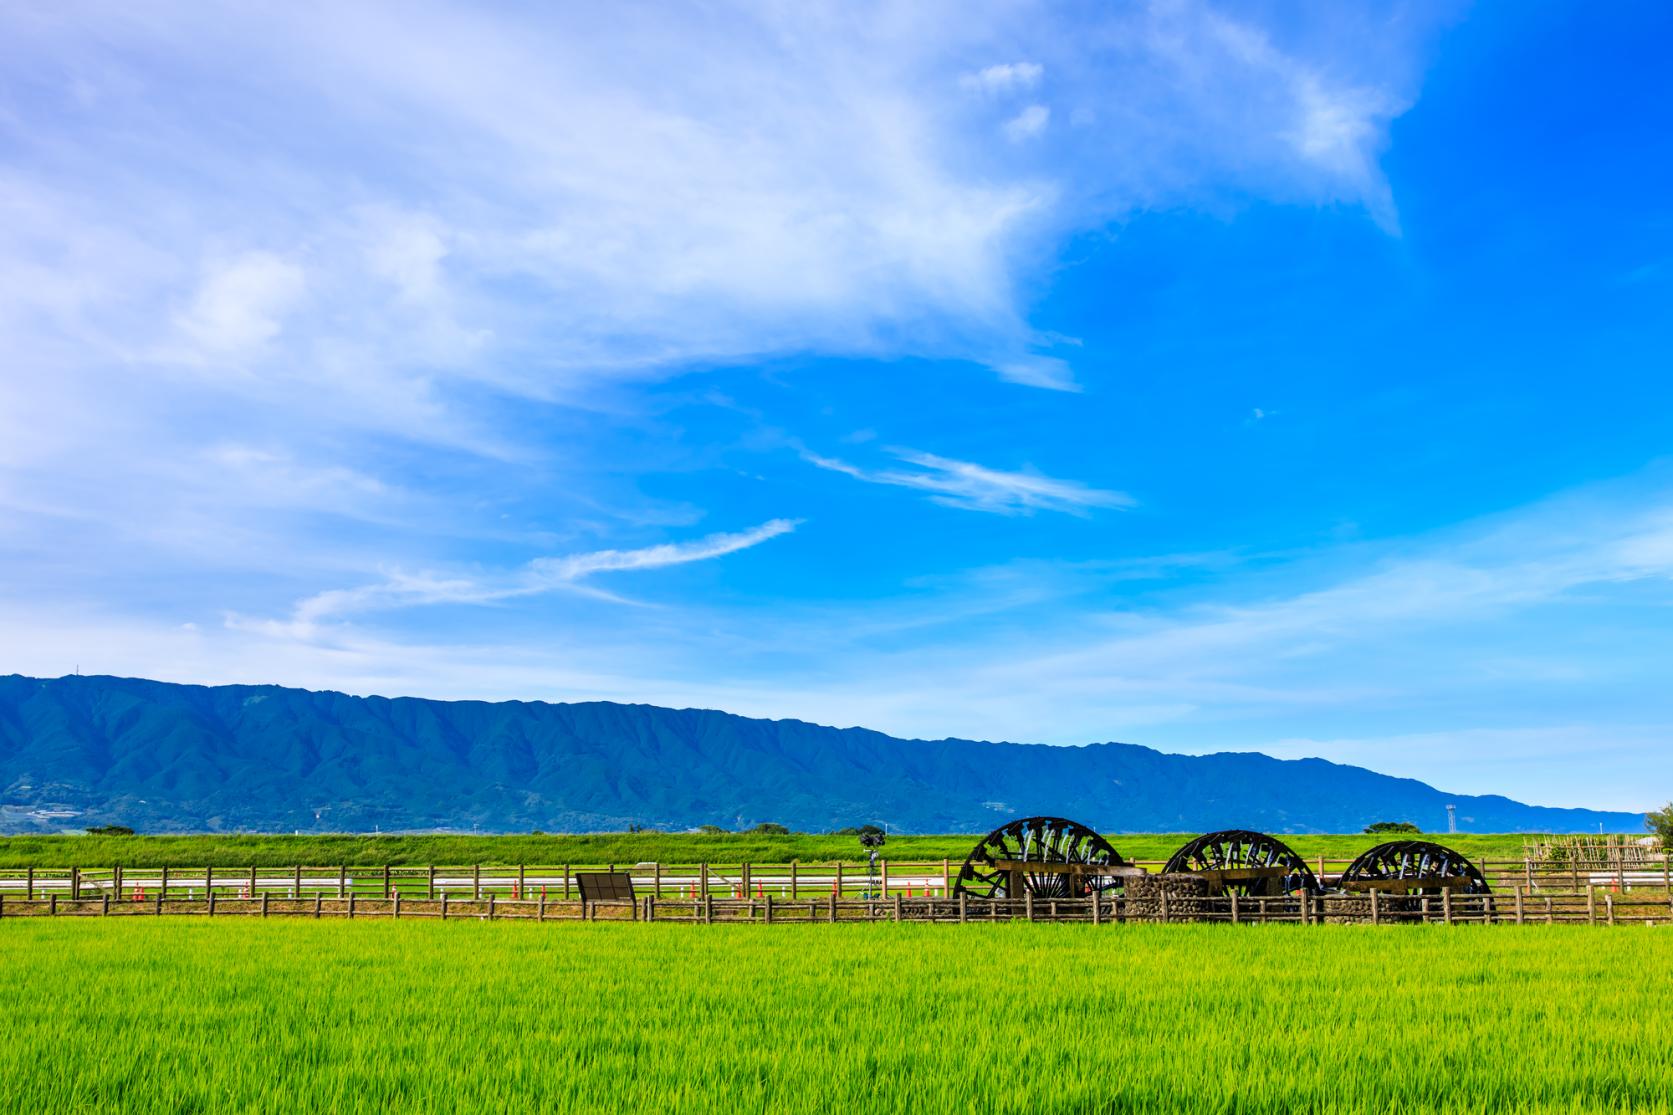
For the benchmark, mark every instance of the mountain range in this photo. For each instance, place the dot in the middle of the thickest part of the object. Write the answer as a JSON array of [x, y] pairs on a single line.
[[160, 757]]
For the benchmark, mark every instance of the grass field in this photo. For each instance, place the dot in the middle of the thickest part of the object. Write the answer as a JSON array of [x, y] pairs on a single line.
[[408, 1016], [603, 848]]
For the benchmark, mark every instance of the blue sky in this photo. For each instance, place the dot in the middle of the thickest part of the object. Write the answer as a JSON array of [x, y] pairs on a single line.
[[1257, 377]]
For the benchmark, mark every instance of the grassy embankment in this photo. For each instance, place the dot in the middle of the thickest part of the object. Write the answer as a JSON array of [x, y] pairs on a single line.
[[141, 1015], [597, 849]]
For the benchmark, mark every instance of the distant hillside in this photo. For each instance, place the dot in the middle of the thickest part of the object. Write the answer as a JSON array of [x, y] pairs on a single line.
[[184, 758]]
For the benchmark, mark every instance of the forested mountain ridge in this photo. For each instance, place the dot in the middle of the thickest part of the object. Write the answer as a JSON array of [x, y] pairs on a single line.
[[182, 758]]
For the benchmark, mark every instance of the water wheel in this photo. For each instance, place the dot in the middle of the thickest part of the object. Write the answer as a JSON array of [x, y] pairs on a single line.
[[1048, 857], [1414, 867], [1238, 861]]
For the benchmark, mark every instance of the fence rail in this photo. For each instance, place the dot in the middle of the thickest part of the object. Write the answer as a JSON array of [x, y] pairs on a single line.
[[1526, 891], [1515, 908]]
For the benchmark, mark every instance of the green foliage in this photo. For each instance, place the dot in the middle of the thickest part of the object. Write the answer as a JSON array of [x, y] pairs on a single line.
[[859, 830], [711, 830], [769, 828], [593, 849], [1660, 822], [303, 1016], [109, 830], [1391, 826]]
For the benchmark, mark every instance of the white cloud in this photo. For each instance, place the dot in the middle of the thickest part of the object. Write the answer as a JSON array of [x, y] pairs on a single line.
[[976, 488], [1028, 123], [242, 303], [403, 590], [1004, 77]]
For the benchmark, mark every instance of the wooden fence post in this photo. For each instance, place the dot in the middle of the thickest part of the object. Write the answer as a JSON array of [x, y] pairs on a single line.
[[116, 880], [1446, 905], [1376, 917], [1162, 895], [946, 876], [342, 879], [52, 904], [430, 883], [897, 907], [963, 908], [1609, 908], [1028, 904], [793, 880], [75, 884], [1234, 908], [386, 882], [444, 905], [1518, 905], [744, 873], [395, 908], [263, 903], [1098, 912], [104, 908], [29, 882], [1591, 905], [351, 905], [769, 909], [490, 907], [296, 882], [703, 876], [211, 903], [252, 880], [476, 883], [883, 867], [566, 882], [656, 878], [708, 908], [833, 899], [159, 903], [837, 886], [522, 880]]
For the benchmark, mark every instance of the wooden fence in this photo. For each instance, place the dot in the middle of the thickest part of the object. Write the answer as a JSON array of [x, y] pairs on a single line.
[[1516, 907], [785, 881]]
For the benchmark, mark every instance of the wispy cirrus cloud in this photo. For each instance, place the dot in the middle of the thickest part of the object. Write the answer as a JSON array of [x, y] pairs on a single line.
[[975, 487], [548, 574]]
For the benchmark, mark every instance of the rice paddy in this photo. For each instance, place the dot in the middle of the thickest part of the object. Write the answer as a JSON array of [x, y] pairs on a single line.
[[263, 850], [140, 1015]]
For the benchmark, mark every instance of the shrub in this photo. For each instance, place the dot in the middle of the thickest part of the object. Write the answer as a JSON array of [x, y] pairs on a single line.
[[1391, 826]]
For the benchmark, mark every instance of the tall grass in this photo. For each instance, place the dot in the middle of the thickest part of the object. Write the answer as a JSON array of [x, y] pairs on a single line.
[[136, 1015], [593, 849]]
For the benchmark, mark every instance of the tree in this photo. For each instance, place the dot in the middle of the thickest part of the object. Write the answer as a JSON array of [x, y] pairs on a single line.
[[770, 828], [110, 830], [1391, 826], [711, 830], [1660, 822]]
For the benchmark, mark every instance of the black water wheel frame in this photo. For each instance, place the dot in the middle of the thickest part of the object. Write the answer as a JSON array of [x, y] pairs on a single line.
[[1040, 840], [1416, 860], [1231, 849]]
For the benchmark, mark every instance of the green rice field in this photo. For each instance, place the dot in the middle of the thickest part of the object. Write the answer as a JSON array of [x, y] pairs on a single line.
[[223, 850], [186, 1016]]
